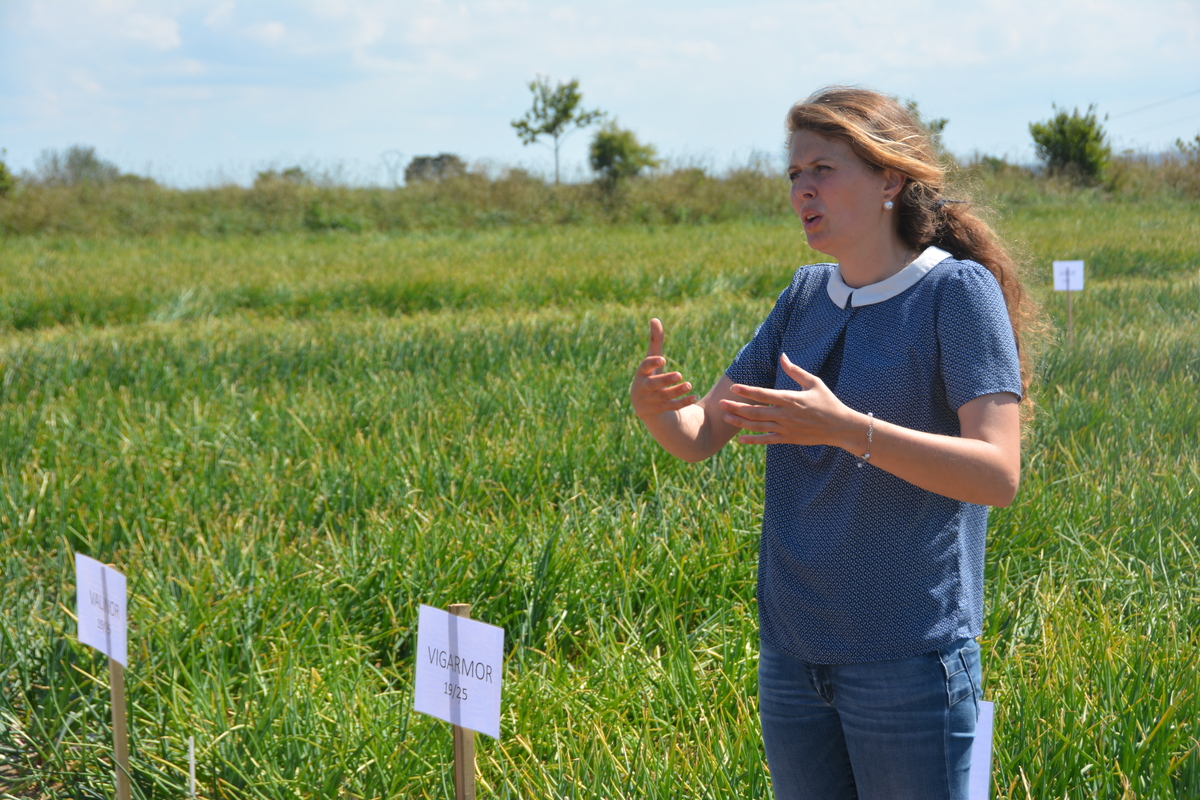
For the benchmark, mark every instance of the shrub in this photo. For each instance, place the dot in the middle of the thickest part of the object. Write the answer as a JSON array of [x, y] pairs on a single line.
[[434, 168], [1190, 150], [1074, 144], [295, 176], [7, 181], [616, 154], [317, 219], [1187, 177]]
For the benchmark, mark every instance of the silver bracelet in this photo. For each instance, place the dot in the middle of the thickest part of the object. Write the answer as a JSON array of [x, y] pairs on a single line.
[[865, 457]]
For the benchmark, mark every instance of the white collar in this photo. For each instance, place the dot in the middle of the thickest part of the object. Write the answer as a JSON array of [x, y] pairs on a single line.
[[887, 288]]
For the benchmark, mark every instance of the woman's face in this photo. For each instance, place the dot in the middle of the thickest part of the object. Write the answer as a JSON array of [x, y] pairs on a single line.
[[838, 198]]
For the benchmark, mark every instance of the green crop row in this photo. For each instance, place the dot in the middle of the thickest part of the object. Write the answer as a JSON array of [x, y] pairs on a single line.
[[46, 282]]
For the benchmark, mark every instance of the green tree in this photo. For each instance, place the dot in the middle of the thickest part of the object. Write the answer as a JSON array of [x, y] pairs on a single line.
[[616, 154], [7, 181], [555, 113], [1073, 144]]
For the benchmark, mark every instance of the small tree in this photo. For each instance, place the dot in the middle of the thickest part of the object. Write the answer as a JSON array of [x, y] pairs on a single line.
[[1073, 144], [555, 113], [7, 181], [616, 154]]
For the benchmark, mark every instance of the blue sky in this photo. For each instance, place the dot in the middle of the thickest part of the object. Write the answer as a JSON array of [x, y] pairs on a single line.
[[204, 91]]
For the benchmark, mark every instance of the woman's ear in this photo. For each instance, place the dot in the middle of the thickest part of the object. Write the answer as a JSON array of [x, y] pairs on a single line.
[[893, 184]]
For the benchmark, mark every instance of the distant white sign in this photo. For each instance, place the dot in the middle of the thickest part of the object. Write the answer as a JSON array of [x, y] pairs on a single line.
[[100, 607], [459, 667], [981, 753], [1068, 276]]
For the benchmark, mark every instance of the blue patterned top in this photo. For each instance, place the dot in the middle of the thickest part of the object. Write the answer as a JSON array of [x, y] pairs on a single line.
[[857, 564]]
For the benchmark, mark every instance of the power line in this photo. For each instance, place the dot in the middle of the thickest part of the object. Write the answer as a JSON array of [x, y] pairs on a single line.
[[1154, 105], [1165, 124]]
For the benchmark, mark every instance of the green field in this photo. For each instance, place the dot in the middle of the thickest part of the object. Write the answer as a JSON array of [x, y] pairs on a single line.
[[288, 442]]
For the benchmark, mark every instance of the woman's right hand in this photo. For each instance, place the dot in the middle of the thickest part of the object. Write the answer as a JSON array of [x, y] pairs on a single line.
[[654, 392]]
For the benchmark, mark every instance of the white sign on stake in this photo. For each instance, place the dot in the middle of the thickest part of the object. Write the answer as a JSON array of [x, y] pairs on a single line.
[[100, 607], [1068, 276], [459, 667], [981, 754]]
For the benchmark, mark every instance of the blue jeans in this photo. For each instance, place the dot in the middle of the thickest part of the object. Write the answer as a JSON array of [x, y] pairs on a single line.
[[900, 729]]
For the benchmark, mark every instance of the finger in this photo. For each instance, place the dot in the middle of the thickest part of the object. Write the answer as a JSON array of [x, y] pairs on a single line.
[[650, 365], [748, 411], [682, 402], [799, 375], [675, 391], [747, 424], [666, 379], [656, 337], [773, 397]]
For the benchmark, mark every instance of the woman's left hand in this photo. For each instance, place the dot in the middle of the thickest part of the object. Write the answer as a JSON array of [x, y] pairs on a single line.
[[812, 416]]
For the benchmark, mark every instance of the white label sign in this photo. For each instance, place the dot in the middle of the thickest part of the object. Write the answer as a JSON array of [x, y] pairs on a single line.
[[459, 666], [981, 754], [100, 607], [1068, 276]]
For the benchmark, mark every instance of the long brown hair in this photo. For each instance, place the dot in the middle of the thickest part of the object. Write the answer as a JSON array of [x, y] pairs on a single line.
[[886, 136]]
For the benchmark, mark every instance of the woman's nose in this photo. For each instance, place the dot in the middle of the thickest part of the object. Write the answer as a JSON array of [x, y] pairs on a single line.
[[802, 187]]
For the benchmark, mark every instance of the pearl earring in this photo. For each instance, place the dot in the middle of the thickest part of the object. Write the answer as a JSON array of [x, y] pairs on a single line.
[[889, 205]]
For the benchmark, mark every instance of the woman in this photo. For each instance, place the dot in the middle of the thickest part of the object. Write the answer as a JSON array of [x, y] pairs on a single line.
[[887, 388]]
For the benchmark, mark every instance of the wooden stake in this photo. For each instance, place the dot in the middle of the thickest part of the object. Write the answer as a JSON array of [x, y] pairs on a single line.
[[464, 738], [116, 675]]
